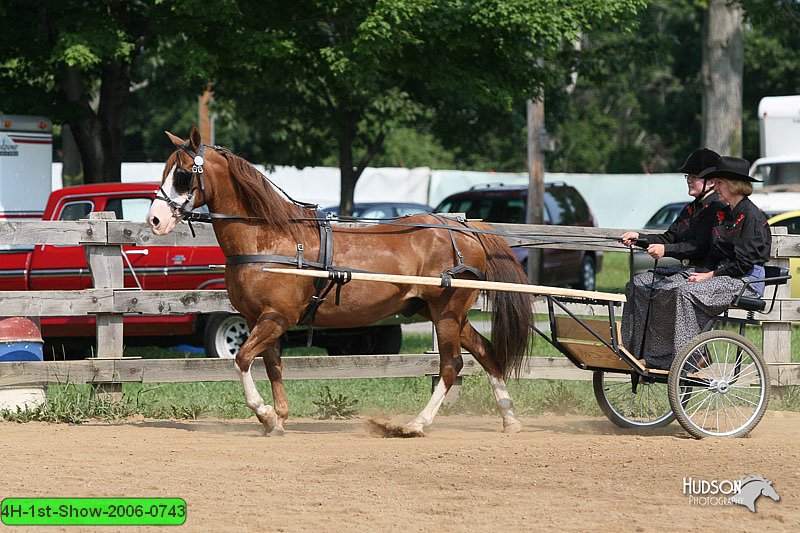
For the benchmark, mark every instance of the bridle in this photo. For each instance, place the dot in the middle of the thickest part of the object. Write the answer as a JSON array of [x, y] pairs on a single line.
[[182, 181]]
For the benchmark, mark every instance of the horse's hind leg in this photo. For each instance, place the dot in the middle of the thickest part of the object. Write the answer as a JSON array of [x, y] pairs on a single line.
[[481, 349], [263, 337], [272, 361], [450, 364]]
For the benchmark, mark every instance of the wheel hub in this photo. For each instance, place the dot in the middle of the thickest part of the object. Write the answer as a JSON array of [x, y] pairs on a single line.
[[720, 386]]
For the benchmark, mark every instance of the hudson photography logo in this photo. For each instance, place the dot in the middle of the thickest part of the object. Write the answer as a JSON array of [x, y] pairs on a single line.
[[743, 491]]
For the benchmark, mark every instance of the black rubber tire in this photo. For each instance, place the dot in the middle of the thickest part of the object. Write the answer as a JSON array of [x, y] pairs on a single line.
[[654, 395], [588, 279], [67, 348], [714, 384], [224, 335], [380, 340]]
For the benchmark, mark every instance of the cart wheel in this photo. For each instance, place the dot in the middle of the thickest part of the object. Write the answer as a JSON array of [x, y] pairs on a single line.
[[719, 386], [648, 407]]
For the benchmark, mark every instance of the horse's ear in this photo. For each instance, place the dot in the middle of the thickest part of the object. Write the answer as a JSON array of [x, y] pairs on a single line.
[[194, 138], [177, 141]]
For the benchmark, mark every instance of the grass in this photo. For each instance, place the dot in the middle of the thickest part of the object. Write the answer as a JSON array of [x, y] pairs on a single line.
[[345, 398], [615, 272]]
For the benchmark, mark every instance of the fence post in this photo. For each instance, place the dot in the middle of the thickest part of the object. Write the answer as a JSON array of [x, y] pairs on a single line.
[[105, 264], [777, 336]]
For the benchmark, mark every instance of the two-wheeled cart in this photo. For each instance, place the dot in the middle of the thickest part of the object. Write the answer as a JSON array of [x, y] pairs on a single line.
[[718, 385]]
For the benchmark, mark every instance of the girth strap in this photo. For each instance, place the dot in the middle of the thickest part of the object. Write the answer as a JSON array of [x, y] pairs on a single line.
[[448, 274], [321, 286]]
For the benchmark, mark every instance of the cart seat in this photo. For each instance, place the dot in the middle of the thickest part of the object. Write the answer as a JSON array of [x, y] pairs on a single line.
[[773, 275]]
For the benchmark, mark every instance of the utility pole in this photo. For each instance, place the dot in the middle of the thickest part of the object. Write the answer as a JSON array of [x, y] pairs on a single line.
[[204, 121], [537, 138]]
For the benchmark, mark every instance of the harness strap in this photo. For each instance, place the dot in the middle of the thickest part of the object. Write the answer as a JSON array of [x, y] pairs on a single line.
[[297, 260], [321, 286], [448, 274]]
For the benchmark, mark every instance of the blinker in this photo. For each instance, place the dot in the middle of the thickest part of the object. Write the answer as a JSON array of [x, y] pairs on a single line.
[[182, 180]]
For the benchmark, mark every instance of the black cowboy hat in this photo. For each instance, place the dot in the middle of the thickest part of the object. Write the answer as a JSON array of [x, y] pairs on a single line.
[[731, 168], [699, 160]]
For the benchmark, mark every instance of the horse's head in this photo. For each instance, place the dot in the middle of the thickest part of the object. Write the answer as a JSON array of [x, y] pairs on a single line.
[[182, 186], [769, 491]]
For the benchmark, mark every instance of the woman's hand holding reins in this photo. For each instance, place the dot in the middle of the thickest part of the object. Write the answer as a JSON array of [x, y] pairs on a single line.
[[628, 238], [656, 251]]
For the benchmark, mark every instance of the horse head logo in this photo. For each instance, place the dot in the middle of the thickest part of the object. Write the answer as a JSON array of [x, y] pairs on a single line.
[[752, 488]]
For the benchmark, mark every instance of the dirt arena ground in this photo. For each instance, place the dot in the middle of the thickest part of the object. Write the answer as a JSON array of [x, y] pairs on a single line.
[[566, 473]]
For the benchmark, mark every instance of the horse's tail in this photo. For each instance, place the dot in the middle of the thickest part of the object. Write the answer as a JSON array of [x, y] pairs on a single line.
[[512, 318]]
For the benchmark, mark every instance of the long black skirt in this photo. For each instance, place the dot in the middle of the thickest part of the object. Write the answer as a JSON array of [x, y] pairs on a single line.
[[674, 310]]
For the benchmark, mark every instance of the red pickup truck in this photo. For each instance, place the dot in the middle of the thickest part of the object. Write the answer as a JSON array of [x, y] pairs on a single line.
[[51, 267]]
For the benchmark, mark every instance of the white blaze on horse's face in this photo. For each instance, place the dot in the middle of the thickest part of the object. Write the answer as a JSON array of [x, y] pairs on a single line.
[[162, 217]]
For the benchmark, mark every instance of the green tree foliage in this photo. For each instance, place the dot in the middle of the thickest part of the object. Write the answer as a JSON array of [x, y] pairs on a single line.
[[636, 104], [78, 61], [771, 63], [317, 76], [72, 60]]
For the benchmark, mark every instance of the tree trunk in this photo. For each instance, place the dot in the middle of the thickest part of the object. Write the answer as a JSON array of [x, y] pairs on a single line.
[[115, 83], [83, 123], [535, 207], [70, 158], [723, 62], [98, 135], [349, 175]]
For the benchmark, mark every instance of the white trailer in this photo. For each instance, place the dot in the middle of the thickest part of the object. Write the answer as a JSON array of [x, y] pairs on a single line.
[[26, 156], [779, 125]]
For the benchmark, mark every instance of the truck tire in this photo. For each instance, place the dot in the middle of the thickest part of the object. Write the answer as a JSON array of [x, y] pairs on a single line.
[[67, 348], [225, 333], [379, 340], [588, 276]]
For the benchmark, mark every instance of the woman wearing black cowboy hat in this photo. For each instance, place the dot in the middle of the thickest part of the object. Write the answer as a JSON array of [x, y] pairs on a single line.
[[687, 237], [740, 243]]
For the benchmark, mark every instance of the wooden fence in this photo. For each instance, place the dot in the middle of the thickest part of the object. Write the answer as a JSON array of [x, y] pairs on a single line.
[[102, 238]]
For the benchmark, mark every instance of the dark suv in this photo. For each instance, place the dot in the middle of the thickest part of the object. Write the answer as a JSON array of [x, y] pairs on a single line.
[[563, 206]]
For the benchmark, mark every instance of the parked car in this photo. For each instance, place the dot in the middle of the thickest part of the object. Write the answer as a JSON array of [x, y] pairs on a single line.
[[50, 267], [382, 209], [659, 223], [563, 206], [791, 221]]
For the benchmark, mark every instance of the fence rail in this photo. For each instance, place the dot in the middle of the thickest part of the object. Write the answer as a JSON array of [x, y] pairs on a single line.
[[102, 237]]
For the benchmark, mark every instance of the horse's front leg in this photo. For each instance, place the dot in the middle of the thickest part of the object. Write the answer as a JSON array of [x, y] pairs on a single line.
[[263, 338]]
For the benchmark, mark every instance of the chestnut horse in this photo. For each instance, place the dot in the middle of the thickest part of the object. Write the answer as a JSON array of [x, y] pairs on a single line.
[[250, 217]]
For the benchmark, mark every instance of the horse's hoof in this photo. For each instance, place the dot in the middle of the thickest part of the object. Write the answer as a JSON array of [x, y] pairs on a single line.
[[277, 432], [413, 430], [268, 417], [512, 427], [387, 429]]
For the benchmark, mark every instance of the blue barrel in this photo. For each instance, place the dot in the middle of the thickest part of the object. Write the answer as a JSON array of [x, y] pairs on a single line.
[[20, 340]]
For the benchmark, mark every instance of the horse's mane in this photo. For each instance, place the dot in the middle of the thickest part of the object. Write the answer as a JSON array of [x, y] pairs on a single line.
[[257, 195]]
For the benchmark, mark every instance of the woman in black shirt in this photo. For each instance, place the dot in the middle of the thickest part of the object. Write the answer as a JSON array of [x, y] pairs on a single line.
[[687, 238]]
